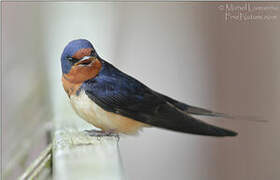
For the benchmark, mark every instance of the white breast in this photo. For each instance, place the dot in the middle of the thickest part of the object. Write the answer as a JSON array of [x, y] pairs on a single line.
[[107, 121]]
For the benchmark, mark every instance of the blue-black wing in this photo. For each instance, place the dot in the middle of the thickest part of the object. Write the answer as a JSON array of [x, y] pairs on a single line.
[[119, 93]]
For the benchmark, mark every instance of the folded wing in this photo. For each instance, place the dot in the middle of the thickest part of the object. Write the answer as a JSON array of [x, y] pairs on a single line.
[[119, 93]]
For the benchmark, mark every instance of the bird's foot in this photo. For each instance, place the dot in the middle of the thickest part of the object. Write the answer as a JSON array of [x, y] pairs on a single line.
[[99, 134]]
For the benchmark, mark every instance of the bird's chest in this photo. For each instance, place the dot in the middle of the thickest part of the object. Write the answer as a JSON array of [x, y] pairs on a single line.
[[107, 121], [90, 111]]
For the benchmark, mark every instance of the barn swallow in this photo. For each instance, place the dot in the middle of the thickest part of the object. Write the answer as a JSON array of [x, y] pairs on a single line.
[[115, 102]]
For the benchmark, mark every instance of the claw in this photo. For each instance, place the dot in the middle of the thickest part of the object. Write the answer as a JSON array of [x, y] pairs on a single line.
[[99, 134]]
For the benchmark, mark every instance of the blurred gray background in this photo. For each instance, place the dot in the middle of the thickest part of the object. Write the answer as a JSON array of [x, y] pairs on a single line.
[[188, 51]]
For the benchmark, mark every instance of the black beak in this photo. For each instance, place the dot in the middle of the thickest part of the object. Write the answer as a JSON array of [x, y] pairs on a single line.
[[86, 60]]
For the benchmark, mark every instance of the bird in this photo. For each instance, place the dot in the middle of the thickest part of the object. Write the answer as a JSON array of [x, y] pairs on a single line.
[[115, 102]]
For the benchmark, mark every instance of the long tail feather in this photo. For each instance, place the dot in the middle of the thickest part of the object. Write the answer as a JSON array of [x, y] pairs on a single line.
[[170, 117], [204, 112], [193, 110]]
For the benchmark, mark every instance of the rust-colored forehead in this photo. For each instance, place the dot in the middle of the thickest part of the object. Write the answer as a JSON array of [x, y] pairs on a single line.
[[82, 52]]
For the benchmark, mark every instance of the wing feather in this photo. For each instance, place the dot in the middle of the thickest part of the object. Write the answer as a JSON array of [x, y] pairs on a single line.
[[119, 93]]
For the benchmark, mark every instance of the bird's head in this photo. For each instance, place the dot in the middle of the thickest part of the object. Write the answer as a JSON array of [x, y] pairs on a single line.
[[79, 61]]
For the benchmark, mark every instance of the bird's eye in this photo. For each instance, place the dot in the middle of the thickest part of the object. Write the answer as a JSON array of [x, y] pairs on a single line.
[[71, 59]]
